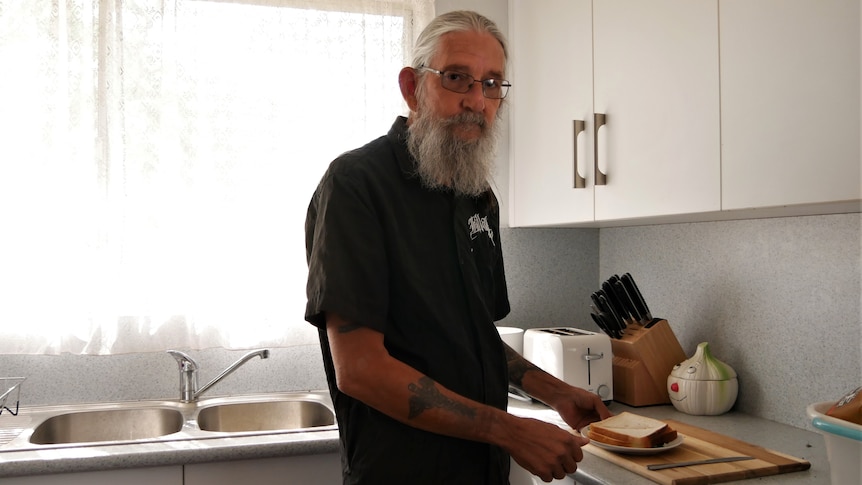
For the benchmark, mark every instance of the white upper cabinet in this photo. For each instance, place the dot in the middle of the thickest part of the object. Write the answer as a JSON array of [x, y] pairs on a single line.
[[651, 68], [656, 82], [713, 109], [790, 95], [551, 71]]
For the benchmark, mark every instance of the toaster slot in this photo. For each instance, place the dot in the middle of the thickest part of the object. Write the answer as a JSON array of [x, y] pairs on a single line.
[[565, 331]]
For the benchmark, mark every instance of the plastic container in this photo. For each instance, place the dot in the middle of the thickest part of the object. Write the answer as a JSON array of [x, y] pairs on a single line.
[[843, 444], [514, 337]]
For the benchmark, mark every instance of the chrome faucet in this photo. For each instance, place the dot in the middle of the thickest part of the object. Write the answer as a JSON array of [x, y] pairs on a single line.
[[189, 391]]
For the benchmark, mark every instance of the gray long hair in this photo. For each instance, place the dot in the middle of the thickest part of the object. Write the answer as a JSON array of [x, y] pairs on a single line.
[[457, 21]]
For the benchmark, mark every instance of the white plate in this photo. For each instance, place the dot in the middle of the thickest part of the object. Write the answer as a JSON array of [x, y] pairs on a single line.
[[629, 450]]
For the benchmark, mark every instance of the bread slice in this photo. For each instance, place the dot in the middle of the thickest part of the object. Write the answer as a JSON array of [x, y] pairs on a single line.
[[632, 430], [656, 441]]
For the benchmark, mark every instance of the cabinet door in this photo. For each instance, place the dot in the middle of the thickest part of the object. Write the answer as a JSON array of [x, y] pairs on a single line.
[[657, 82], [520, 476], [290, 470], [551, 72], [790, 94], [169, 475]]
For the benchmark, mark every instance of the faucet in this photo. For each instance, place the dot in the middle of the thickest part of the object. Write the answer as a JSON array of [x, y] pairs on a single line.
[[189, 391]]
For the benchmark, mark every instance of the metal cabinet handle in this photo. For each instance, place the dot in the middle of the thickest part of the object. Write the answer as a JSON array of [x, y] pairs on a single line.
[[601, 178], [579, 182]]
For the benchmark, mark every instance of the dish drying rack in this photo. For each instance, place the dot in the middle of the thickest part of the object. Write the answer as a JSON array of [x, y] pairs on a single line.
[[10, 390]]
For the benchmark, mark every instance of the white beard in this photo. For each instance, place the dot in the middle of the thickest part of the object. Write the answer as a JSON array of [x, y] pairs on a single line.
[[446, 161]]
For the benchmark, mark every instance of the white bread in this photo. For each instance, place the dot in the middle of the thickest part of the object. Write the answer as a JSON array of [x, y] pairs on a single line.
[[650, 442], [632, 430]]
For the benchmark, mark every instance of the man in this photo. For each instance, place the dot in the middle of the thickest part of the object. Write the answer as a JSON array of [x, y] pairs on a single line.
[[406, 281]]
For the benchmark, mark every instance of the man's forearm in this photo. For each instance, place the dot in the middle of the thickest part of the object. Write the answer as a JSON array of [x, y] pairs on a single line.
[[518, 367], [533, 380], [365, 371]]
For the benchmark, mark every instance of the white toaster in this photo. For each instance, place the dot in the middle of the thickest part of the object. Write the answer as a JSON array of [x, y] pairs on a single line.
[[579, 357]]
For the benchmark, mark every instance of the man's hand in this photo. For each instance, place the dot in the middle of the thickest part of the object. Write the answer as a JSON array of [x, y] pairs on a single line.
[[552, 452], [543, 449], [579, 408]]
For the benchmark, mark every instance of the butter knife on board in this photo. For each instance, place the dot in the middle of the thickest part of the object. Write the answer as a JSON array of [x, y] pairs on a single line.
[[664, 466]]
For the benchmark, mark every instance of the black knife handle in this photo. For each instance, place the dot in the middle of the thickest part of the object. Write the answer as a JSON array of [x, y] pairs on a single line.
[[627, 300], [594, 297], [614, 301], [630, 290], [640, 298], [601, 324], [614, 317]]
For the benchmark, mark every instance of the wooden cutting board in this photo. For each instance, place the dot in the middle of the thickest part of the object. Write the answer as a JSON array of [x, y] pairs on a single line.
[[700, 444]]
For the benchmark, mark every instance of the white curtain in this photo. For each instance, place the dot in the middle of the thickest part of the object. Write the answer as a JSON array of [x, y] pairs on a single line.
[[157, 158]]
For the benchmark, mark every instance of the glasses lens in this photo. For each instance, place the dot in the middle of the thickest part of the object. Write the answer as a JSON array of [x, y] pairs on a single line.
[[456, 81], [460, 83], [504, 89], [494, 89]]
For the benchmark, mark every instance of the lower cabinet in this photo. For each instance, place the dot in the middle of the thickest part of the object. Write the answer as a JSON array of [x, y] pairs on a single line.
[[168, 475], [290, 470], [304, 470], [520, 476]]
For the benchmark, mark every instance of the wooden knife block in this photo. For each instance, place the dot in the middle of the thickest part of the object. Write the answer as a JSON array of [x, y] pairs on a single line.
[[643, 360]]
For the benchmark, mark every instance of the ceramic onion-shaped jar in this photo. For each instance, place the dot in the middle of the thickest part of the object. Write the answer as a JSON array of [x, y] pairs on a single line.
[[702, 385]]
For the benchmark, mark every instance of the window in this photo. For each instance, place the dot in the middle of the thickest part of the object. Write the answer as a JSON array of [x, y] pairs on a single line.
[[158, 156]]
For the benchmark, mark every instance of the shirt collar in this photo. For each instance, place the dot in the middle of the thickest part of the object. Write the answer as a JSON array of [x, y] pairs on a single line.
[[398, 137]]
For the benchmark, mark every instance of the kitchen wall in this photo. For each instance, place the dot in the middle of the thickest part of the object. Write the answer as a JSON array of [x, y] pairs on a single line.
[[778, 299]]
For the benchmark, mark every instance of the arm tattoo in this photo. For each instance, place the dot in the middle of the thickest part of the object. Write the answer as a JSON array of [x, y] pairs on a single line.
[[518, 366], [427, 396]]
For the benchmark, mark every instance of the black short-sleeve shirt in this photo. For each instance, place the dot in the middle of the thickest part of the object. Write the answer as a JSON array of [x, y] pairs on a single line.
[[425, 268]]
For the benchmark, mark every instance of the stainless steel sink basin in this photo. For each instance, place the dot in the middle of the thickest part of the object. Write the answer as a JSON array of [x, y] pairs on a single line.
[[107, 425], [159, 421], [265, 416]]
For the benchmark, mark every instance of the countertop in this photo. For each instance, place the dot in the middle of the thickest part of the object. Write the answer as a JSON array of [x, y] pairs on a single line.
[[19, 457], [797, 442], [800, 443]]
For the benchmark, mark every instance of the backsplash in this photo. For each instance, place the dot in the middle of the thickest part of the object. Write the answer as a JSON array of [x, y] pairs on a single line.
[[67, 379], [777, 299]]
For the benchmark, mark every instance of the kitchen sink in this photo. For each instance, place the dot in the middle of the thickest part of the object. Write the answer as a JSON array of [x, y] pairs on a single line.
[[289, 414], [108, 425], [133, 422]]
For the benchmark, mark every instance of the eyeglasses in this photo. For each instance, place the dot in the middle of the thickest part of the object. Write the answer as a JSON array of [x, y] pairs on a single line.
[[461, 83]]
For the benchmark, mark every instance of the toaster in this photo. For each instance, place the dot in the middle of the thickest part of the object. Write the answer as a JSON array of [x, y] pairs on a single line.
[[579, 357]]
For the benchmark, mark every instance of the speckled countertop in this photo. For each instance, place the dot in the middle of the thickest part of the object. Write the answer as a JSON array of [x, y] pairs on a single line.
[[592, 470]]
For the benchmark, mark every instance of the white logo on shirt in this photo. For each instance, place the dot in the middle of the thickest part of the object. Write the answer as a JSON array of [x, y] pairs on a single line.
[[480, 224]]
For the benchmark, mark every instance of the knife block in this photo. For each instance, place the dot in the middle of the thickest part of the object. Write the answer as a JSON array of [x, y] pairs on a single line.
[[643, 360]]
